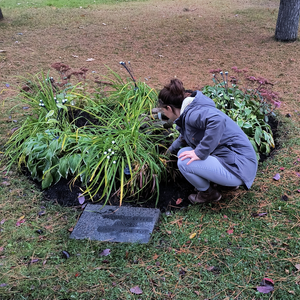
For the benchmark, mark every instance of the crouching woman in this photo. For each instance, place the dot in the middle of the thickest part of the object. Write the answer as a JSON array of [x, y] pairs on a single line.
[[213, 150]]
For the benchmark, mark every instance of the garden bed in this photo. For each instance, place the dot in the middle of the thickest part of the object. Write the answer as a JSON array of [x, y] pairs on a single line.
[[169, 193]]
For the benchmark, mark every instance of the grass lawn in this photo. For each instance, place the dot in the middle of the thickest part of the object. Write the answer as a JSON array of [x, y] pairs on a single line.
[[221, 251]]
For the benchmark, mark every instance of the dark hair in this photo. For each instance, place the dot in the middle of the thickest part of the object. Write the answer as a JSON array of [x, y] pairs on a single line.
[[172, 95]]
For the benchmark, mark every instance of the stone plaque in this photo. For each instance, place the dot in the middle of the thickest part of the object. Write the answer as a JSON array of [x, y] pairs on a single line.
[[116, 223]]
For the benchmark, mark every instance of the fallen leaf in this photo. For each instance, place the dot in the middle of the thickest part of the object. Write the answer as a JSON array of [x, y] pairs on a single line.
[[3, 284], [90, 59], [20, 222], [178, 201], [277, 176], [1, 249], [182, 272], [41, 213], [44, 262], [22, 217], [77, 274], [230, 231], [282, 168], [291, 292], [136, 290], [209, 268], [169, 232], [258, 214], [225, 217], [197, 293], [297, 266], [298, 191], [48, 227], [192, 235], [13, 130], [155, 256], [65, 254], [81, 199], [6, 183], [265, 289], [105, 252], [34, 260], [2, 221]]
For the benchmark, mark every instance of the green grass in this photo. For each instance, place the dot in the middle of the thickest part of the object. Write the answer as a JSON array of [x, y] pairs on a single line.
[[57, 3], [171, 265]]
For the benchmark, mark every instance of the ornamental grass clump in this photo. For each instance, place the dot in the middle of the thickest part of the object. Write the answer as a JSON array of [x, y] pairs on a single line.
[[115, 152], [249, 101]]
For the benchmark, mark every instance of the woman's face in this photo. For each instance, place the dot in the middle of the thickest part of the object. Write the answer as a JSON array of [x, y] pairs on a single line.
[[168, 112]]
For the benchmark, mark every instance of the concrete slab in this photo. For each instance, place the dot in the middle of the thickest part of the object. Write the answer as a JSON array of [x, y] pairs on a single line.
[[116, 224]]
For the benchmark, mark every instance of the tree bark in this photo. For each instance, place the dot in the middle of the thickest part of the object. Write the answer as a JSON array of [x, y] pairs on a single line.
[[288, 20], [1, 15]]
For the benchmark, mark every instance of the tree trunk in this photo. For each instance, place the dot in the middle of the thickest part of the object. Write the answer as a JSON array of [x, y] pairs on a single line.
[[1, 16], [288, 20]]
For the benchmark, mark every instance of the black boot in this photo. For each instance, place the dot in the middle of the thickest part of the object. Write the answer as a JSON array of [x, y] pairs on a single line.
[[210, 195]]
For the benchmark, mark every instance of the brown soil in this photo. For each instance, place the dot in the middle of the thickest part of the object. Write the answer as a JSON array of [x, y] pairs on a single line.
[[162, 39]]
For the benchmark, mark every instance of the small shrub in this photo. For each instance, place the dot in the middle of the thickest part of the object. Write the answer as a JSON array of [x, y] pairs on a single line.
[[249, 101], [116, 151]]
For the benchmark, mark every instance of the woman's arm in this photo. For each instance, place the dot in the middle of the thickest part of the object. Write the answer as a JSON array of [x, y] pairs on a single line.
[[214, 125]]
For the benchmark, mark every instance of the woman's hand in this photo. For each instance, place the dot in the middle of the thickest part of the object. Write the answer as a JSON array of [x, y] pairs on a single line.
[[189, 154]]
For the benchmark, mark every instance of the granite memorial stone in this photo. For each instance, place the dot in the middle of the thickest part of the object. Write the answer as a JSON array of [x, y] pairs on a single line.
[[116, 223]]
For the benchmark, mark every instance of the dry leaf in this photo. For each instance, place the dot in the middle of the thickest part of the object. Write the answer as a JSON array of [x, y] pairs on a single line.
[[20, 222], [178, 201], [209, 268], [136, 290], [192, 235], [230, 231], [155, 256], [169, 232], [297, 266]]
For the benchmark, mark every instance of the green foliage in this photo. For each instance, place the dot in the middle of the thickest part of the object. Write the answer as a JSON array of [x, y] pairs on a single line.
[[248, 108], [120, 133], [112, 143]]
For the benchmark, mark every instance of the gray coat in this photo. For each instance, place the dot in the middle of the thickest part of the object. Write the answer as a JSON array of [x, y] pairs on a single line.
[[211, 132]]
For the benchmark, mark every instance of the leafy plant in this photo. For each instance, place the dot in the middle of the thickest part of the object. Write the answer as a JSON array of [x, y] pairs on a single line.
[[249, 102], [116, 151]]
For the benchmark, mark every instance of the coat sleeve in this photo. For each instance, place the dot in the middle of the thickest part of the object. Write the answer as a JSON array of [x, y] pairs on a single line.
[[213, 125], [177, 144]]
